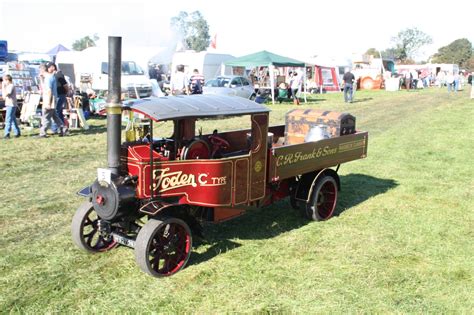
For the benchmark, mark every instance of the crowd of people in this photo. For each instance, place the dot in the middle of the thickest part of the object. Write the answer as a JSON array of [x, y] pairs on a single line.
[[291, 87], [181, 84], [416, 79], [55, 88]]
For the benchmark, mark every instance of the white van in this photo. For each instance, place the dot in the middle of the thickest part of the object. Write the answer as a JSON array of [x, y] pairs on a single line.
[[207, 63], [91, 64]]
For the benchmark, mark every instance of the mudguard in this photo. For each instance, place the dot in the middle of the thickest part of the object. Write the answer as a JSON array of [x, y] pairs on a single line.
[[85, 192], [308, 180]]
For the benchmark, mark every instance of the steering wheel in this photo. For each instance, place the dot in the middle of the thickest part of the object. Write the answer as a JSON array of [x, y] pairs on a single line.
[[218, 143]]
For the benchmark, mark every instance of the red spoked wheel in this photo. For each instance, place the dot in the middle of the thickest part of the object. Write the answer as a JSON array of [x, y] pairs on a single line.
[[197, 149], [85, 231], [163, 246], [323, 199]]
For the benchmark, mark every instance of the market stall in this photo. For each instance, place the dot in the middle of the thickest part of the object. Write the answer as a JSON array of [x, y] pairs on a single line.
[[272, 61]]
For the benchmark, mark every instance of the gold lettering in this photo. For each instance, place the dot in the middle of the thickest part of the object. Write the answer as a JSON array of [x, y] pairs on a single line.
[[279, 160], [202, 179], [166, 181], [292, 158]]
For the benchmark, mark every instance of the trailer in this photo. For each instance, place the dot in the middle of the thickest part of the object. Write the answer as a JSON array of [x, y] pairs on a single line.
[[159, 190]]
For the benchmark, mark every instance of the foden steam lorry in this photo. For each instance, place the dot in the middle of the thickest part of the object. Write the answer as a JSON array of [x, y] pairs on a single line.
[[158, 190]]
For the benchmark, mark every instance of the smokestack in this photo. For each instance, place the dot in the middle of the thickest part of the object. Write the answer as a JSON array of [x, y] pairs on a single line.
[[114, 106]]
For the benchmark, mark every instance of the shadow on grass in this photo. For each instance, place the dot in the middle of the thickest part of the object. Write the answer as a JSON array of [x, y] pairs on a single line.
[[279, 218], [357, 188], [289, 101], [362, 100], [93, 129]]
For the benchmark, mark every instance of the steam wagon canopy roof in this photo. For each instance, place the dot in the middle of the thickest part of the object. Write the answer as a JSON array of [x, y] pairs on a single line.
[[176, 107]]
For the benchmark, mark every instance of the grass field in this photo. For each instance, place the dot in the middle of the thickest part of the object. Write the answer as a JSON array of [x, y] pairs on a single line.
[[402, 240]]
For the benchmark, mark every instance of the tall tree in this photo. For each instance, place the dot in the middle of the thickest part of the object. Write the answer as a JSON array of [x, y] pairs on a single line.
[[469, 64], [194, 30], [408, 42], [85, 42], [374, 52], [458, 52]]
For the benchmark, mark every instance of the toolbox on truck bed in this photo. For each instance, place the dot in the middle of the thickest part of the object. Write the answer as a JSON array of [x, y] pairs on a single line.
[[300, 121]]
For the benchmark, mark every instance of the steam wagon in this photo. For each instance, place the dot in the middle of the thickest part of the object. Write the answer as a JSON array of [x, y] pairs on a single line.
[[158, 189]]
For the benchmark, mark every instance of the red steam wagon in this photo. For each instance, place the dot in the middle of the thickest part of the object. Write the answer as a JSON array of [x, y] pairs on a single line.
[[158, 190]]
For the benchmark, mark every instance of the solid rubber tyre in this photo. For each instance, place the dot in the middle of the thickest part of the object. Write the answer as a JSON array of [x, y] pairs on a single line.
[[323, 199], [85, 232], [163, 246]]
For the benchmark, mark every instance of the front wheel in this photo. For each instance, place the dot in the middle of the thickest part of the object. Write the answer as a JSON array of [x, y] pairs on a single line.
[[323, 199], [163, 246], [85, 230]]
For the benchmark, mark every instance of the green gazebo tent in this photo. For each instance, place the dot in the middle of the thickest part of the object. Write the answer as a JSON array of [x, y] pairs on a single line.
[[266, 59]]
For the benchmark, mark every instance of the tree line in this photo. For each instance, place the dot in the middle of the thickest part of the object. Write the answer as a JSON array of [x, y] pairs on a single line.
[[408, 42]]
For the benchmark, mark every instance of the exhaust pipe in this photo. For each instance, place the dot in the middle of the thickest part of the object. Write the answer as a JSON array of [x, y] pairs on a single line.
[[114, 106]]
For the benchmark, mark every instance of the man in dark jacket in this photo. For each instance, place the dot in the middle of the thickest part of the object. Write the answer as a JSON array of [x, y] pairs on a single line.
[[62, 88], [349, 80]]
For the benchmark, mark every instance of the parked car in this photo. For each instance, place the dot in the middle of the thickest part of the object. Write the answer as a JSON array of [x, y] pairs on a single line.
[[230, 85]]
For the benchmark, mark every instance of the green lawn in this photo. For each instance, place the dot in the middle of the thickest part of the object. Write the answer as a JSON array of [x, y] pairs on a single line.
[[402, 240]]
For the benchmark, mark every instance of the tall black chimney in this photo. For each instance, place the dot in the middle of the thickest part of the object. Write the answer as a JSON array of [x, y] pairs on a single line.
[[114, 107]]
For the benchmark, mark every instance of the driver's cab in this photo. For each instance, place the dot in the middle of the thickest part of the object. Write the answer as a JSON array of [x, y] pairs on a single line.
[[201, 147]]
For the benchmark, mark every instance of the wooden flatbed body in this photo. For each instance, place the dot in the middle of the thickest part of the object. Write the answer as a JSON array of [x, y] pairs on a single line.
[[291, 160]]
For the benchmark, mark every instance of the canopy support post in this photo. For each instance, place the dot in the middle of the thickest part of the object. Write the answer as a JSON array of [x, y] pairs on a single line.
[[271, 68]]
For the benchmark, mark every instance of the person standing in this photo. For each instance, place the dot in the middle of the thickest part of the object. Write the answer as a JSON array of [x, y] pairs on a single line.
[[288, 84], [295, 87], [179, 82], [159, 76], [50, 94], [472, 85], [152, 72], [63, 88], [348, 80], [441, 79], [414, 79], [9, 94], [457, 81], [450, 81], [196, 82], [408, 77]]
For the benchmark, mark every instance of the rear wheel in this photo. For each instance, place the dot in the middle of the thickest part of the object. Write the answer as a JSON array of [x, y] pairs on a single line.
[[163, 246], [85, 230], [323, 199]]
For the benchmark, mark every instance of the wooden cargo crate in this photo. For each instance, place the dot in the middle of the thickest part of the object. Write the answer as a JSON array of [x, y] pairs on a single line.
[[300, 121]]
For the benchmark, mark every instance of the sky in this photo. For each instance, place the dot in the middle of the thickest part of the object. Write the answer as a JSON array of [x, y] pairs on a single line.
[[297, 28]]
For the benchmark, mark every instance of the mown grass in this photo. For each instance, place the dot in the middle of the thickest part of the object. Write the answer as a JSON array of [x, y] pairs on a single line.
[[402, 240]]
